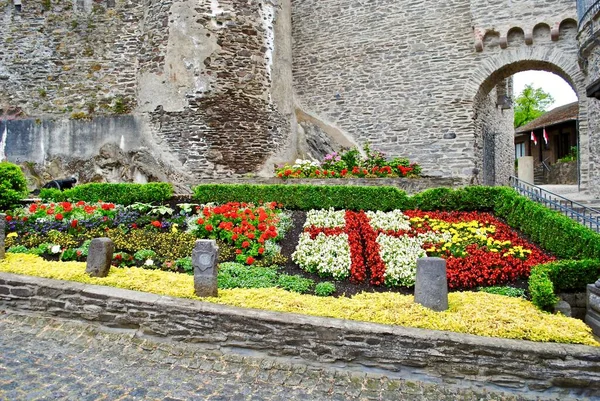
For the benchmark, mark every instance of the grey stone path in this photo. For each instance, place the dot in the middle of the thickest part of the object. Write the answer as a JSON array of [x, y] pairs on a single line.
[[45, 358]]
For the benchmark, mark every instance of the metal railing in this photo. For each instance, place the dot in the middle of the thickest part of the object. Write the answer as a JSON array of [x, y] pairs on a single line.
[[586, 9], [582, 214]]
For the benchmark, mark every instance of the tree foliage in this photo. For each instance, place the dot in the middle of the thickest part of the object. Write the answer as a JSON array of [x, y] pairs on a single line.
[[530, 104]]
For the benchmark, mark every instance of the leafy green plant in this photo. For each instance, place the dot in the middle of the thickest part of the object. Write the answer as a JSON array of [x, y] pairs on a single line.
[[18, 249], [295, 283], [185, 264], [324, 289], [506, 291], [13, 186], [144, 254], [572, 156], [237, 275]]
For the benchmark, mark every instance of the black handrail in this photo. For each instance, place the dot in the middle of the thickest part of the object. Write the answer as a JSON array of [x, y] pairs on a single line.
[[582, 214], [586, 9]]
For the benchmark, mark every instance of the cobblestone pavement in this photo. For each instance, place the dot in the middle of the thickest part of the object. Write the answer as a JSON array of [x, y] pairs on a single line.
[[45, 358]]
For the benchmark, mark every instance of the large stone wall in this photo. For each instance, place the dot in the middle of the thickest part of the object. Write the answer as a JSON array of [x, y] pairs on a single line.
[[407, 77], [211, 82], [524, 367], [589, 39], [217, 86]]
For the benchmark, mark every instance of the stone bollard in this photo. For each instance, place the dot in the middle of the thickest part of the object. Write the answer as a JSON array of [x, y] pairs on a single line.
[[204, 260], [99, 257], [592, 317], [2, 234], [431, 287]]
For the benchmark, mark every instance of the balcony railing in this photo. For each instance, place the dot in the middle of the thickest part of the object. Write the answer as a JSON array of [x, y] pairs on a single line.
[[586, 9]]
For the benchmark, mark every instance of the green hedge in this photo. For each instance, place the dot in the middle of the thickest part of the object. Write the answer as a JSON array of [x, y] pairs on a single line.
[[124, 194], [13, 185], [564, 275], [306, 197]]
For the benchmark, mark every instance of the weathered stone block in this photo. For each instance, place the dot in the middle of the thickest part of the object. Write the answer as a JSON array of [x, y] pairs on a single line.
[[2, 234], [204, 260], [431, 287], [99, 257], [563, 307], [592, 317]]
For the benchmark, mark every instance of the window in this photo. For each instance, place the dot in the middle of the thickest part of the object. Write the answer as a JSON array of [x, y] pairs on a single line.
[[519, 150]]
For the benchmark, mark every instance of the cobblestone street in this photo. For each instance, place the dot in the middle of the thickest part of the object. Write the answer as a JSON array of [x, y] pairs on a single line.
[[51, 359]]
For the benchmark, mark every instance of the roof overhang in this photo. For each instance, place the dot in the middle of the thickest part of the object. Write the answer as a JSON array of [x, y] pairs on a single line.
[[594, 89]]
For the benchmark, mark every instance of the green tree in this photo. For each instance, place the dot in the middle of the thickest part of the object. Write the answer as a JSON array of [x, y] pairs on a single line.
[[530, 104]]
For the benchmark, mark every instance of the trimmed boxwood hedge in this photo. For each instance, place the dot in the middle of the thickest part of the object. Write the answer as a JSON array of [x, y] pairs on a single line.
[[562, 275], [553, 231], [124, 194]]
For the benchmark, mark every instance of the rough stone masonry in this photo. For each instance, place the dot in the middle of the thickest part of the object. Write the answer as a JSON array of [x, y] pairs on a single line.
[[218, 88]]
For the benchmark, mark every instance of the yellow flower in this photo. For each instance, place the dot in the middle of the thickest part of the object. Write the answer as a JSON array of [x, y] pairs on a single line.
[[174, 227], [10, 235]]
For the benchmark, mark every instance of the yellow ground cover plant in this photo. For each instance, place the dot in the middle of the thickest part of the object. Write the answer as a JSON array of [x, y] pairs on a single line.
[[469, 312]]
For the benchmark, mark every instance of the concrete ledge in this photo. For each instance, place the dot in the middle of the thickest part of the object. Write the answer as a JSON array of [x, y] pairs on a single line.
[[435, 356]]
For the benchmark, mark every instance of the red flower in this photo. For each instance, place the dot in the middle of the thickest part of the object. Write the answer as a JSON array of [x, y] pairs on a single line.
[[234, 237], [238, 251], [250, 260], [73, 223], [245, 244], [50, 211], [8, 218], [250, 235], [59, 216], [200, 221], [208, 227], [32, 208], [80, 203], [118, 256], [261, 250], [156, 224]]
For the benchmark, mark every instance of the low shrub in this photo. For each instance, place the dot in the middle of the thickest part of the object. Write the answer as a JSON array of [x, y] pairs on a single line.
[[295, 283], [237, 275], [306, 197], [13, 185], [556, 233], [324, 289], [124, 194], [564, 275]]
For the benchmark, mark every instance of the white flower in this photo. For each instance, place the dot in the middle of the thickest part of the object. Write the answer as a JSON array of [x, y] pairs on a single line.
[[149, 262], [394, 220], [400, 257], [327, 218], [327, 255], [55, 249]]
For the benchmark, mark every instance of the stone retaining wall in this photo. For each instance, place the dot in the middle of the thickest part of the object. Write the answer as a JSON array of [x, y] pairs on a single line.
[[434, 356]]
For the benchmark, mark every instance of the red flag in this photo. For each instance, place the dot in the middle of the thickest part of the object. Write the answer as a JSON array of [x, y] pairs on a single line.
[[545, 136], [533, 138]]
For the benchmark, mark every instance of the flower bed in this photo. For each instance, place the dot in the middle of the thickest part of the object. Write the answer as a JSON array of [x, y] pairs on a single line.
[[152, 236], [351, 164], [384, 247]]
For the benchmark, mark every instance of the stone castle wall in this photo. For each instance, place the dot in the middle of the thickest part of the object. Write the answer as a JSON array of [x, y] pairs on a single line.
[[589, 37], [216, 86], [207, 80], [407, 78]]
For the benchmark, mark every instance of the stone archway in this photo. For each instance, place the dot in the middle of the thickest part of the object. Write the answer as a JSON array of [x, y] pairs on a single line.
[[493, 147]]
